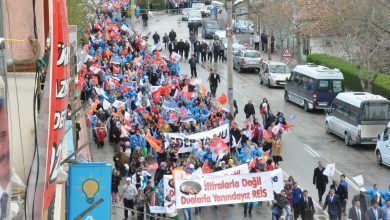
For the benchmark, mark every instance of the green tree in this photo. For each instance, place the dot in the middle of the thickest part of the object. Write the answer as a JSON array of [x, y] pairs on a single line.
[[80, 12]]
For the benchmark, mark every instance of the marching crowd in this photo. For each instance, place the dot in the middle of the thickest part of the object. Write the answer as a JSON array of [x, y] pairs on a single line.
[[136, 95]]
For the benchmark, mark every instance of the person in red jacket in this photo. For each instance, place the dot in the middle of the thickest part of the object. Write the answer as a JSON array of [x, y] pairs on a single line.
[[101, 135]]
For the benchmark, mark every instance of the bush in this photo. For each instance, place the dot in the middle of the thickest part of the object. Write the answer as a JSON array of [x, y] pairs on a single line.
[[158, 4], [381, 85]]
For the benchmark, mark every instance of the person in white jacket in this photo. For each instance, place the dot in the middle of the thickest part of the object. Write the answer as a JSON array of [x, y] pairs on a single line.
[[170, 208]]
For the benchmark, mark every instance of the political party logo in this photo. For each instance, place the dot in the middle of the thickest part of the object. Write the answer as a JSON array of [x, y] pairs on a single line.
[[90, 188]]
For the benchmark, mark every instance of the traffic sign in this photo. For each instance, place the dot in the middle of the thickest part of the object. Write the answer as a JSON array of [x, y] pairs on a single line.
[[286, 53], [213, 11]]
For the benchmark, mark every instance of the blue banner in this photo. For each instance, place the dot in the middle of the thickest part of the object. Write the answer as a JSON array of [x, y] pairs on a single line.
[[88, 185]]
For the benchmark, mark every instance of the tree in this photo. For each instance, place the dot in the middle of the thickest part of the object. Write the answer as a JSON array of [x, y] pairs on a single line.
[[361, 28], [80, 12]]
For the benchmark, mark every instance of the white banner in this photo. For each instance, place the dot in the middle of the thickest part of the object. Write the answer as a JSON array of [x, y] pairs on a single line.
[[277, 180], [241, 169], [224, 190], [169, 188], [187, 142]]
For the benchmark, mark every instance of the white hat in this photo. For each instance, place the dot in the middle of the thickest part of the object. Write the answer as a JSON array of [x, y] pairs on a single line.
[[192, 166], [362, 189], [128, 179]]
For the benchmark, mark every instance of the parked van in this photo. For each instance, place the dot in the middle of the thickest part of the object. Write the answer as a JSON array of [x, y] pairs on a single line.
[[274, 73], [313, 87], [382, 150], [358, 117]]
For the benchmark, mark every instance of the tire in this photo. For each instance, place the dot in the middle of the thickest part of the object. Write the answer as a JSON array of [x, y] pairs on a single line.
[[327, 128], [269, 84], [347, 139], [305, 106], [286, 98], [379, 158]]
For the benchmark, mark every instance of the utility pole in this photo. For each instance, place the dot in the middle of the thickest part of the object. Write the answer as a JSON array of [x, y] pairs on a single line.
[[229, 35]]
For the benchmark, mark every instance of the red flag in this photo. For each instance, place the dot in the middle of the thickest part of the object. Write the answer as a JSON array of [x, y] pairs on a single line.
[[266, 136], [140, 109], [80, 81], [218, 144], [152, 166], [156, 144], [222, 99], [264, 157], [206, 168], [95, 79], [252, 163], [287, 126], [115, 69]]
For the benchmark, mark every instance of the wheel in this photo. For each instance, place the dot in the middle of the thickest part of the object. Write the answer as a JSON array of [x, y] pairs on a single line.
[[327, 128], [239, 69], [305, 106], [269, 84], [237, 30], [286, 98], [379, 158], [347, 139]]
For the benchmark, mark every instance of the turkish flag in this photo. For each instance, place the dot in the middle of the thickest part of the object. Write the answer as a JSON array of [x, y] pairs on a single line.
[[252, 163], [266, 135], [206, 168], [222, 99]]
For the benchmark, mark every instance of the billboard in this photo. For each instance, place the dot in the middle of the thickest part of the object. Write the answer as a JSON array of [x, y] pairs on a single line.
[[89, 191]]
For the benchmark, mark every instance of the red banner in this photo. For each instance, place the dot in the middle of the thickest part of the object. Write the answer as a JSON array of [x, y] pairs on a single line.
[[59, 94]]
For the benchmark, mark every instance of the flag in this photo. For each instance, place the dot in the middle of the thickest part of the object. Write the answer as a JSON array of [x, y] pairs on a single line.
[[359, 180], [266, 136], [152, 166], [264, 157], [203, 89], [218, 144], [178, 173], [222, 99], [206, 168], [156, 144], [330, 169], [252, 163]]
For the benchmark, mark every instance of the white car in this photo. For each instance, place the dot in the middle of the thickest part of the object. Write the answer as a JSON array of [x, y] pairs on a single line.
[[185, 13], [274, 73], [382, 150], [195, 16]]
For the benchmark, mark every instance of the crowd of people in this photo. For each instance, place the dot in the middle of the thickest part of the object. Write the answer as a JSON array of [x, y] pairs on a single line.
[[136, 95]]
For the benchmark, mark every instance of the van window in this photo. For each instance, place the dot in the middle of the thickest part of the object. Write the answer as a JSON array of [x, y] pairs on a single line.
[[337, 86], [297, 77], [323, 85], [386, 134], [326, 85], [376, 112]]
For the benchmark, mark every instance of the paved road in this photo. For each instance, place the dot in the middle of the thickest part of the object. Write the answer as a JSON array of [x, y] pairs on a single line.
[[303, 146]]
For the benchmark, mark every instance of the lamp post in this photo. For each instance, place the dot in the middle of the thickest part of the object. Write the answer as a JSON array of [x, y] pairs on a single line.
[[229, 35]]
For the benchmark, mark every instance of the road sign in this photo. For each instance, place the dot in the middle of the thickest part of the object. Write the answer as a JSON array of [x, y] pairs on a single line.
[[213, 11], [286, 53]]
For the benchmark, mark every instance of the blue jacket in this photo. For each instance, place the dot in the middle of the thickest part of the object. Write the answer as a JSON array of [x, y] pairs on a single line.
[[134, 141], [243, 157], [256, 152], [296, 195]]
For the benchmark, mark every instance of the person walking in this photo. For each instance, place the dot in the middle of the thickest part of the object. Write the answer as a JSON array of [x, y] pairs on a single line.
[[386, 210], [264, 40], [140, 203], [210, 52], [197, 50], [156, 38], [306, 206], [172, 35], [276, 150], [172, 47], [343, 193], [166, 40], [355, 212], [249, 110], [296, 195], [203, 51], [128, 195], [115, 182], [186, 49], [264, 111], [363, 199], [215, 51], [180, 47], [214, 80], [221, 50], [374, 212], [272, 43], [333, 203], [257, 39], [192, 40], [192, 63], [320, 180]]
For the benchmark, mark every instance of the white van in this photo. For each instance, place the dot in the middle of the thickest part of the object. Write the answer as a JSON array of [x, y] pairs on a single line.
[[358, 117], [382, 150], [274, 73]]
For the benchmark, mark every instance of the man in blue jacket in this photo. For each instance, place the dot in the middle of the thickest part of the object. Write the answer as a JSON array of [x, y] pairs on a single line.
[[296, 196]]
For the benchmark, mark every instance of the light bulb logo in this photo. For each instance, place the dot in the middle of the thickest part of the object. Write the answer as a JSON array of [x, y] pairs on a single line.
[[90, 188]]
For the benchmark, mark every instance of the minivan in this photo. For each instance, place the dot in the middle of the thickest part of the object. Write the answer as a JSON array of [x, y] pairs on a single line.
[[358, 117], [274, 73], [313, 87], [382, 150]]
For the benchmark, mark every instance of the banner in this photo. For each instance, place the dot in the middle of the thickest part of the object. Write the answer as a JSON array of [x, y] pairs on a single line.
[[224, 190], [241, 169], [188, 141], [89, 184], [330, 169], [277, 180], [169, 188]]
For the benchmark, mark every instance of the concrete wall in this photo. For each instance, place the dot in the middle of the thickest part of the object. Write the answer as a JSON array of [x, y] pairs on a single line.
[[19, 24], [21, 86]]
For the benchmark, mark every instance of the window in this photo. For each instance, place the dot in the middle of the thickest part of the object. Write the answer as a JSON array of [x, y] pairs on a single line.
[[337, 86], [323, 85], [252, 54], [378, 111], [211, 25], [353, 117], [297, 77], [279, 69], [310, 83], [386, 134]]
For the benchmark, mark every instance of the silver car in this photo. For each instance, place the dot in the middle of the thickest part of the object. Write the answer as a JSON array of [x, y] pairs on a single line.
[[247, 59], [185, 13]]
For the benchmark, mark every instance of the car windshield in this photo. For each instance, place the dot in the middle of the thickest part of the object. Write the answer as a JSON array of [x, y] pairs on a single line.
[[195, 13], [252, 54], [279, 69], [376, 112], [211, 25], [326, 85]]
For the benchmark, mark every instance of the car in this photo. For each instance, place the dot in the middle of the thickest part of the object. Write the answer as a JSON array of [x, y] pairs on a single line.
[[185, 13], [243, 26], [247, 59], [358, 117], [382, 150], [236, 46], [274, 73], [313, 86], [195, 17], [202, 8], [209, 28]]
